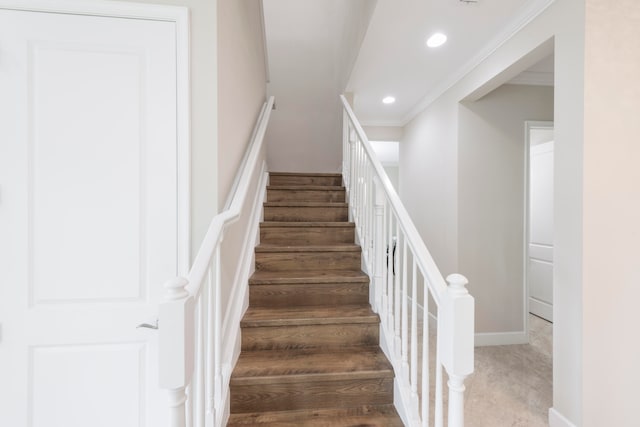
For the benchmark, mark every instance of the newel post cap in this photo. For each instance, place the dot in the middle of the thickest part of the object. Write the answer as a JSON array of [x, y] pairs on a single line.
[[457, 283], [176, 288]]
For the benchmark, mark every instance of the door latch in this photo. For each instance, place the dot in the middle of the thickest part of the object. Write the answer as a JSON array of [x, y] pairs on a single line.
[[148, 325]]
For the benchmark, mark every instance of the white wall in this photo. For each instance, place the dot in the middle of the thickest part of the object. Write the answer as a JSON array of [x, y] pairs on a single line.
[[611, 230], [393, 172], [429, 174], [491, 209], [312, 46]]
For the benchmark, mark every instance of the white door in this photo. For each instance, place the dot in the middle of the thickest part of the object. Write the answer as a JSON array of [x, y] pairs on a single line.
[[88, 216], [540, 263]]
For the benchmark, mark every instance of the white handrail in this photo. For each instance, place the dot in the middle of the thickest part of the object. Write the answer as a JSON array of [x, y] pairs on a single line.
[[413, 237], [390, 243], [190, 319]]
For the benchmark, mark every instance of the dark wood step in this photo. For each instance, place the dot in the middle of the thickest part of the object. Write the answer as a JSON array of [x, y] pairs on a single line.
[[304, 379], [315, 257], [361, 416], [307, 233], [308, 288], [266, 328], [306, 211], [305, 193], [293, 178], [307, 276]]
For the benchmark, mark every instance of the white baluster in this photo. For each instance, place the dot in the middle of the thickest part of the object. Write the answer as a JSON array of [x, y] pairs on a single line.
[[352, 177], [390, 273], [345, 146], [210, 342], [217, 381], [379, 242], [367, 216], [197, 387], [425, 355], [414, 331], [405, 313], [397, 314]]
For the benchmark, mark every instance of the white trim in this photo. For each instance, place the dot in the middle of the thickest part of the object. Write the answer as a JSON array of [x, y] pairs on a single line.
[[180, 16], [183, 137], [239, 298], [533, 78], [521, 21], [501, 338], [556, 419]]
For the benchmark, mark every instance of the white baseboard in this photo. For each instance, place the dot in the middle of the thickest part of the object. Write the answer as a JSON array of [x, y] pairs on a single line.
[[501, 338], [556, 419]]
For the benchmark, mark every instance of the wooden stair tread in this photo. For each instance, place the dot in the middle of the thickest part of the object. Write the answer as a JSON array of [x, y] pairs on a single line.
[[301, 365], [297, 204], [314, 315], [307, 276], [279, 224], [336, 247], [305, 174], [371, 416], [303, 187], [310, 352]]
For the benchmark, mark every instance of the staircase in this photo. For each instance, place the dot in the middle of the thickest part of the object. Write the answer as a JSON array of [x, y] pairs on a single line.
[[310, 354]]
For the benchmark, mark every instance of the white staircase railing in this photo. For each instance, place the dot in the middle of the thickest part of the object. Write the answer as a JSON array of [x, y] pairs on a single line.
[[405, 280], [190, 319]]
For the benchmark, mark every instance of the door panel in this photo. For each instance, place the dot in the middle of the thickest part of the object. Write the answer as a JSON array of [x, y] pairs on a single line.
[[88, 205], [540, 263]]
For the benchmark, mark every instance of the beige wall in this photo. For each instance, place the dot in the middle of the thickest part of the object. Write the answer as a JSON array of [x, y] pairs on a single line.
[[204, 120], [383, 133], [429, 177], [491, 194], [241, 84], [611, 229], [241, 94], [312, 48]]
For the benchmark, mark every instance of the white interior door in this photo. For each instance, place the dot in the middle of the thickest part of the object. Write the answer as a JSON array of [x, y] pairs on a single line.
[[88, 216], [540, 262]]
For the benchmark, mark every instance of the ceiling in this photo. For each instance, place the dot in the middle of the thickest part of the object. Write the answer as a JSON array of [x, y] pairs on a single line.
[[394, 59], [318, 49]]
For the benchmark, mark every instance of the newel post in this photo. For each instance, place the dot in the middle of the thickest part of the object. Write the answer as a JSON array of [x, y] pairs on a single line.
[[176, 346], [457, 337], [379, 242]]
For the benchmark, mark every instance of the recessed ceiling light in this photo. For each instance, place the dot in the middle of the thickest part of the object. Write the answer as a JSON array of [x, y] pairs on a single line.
[[389, 100], [438, 39]]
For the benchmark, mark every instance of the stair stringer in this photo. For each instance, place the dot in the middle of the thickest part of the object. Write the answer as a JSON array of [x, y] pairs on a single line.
[[239, 299]]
